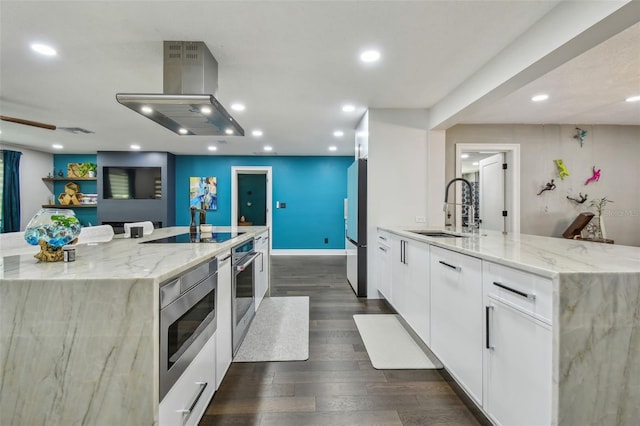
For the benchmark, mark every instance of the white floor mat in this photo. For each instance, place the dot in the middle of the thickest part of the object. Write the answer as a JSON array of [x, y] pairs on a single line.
[[389, 345], [278, 332]]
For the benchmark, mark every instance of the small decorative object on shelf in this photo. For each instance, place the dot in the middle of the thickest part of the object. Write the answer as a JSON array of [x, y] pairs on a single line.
[[60, 173], [550, 186], [70, 194], [595, 177], [81, 170], [52, 229], [562, 169]]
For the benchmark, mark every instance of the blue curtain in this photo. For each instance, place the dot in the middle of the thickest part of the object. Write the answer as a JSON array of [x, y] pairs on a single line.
[[11, 192]]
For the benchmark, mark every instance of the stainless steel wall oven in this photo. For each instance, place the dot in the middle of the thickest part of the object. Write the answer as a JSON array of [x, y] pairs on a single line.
[[187, 320], [243, 290]]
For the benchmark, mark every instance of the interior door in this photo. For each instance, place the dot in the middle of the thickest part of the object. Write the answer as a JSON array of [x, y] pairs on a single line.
[[491, 192]]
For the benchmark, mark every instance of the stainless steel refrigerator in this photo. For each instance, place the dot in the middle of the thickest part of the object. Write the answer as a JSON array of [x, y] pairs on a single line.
[[356, 227]]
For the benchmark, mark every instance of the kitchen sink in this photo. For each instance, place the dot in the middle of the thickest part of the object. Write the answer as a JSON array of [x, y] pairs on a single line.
[[438, 234]]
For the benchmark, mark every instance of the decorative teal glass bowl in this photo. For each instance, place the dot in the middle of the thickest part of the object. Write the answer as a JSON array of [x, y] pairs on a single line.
[[55, 227]]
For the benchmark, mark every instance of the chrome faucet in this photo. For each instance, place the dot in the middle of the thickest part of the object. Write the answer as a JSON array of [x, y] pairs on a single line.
[[470, 211]]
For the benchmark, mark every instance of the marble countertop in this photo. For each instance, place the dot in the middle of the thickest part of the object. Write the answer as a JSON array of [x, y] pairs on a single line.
[[546, 256], [124, 258]]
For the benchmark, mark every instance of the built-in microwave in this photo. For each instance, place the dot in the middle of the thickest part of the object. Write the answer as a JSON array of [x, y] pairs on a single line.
[[187, 320]]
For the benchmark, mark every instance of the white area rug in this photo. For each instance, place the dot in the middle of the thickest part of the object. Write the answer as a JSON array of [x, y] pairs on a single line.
[[389, 345], [279, 331]]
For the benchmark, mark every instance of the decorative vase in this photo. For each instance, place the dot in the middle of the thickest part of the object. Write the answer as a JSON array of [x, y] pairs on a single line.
[[601, 230], [52, 229]]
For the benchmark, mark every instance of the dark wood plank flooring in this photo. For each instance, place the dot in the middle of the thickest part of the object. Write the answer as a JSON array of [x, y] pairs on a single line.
[[337, 385]]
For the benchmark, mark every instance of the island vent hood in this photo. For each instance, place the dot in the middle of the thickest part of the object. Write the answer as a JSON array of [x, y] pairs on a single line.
[[187, 105]]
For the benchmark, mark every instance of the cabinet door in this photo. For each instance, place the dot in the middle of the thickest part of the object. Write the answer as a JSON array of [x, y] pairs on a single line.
[[262, 281], [517, 367], [416, 283], [456, 316], [398, 272], [224, 344], [383, 267]]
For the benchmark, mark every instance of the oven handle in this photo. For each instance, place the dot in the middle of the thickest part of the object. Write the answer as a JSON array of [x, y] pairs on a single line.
[[248, 262]]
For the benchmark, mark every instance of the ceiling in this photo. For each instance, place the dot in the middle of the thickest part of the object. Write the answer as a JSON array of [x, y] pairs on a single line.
[[293, 64]]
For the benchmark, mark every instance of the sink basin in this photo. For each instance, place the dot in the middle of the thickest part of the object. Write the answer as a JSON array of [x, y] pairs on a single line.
[[438, 234]]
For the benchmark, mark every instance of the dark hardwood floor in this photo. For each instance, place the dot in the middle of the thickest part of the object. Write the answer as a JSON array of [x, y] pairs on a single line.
[[337, 385]]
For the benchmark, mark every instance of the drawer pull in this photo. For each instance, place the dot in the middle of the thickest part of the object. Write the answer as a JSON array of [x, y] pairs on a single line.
[[518, 292], [382, 238], [448, 265], [187, 412], [383, 249]]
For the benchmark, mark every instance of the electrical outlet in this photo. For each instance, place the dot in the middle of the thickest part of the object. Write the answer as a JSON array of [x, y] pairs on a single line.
[[326, 240], [420, 219]]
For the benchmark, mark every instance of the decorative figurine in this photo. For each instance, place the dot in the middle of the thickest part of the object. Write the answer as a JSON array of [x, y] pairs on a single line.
[[582, 199], [595, 177], [60, 173], [580, 134], [550, 186], [562, 169]]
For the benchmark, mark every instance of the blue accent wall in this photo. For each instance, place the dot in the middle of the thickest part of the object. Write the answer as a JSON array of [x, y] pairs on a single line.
[[313, 189]]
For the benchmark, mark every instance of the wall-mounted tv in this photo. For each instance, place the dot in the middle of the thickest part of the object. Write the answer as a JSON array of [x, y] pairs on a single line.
[[132, 183]]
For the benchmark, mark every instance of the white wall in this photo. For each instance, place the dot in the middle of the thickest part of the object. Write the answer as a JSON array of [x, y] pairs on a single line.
[[396, 174], [34, 165], [613, 149]]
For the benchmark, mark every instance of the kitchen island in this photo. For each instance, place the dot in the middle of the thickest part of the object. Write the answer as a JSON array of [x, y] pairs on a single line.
[[79, 340], [549, 328]]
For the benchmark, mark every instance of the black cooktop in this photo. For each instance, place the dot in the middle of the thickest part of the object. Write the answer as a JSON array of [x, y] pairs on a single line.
[[214, 237]]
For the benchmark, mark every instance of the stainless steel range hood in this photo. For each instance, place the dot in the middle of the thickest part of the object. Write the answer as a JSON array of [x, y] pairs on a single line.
[[187, 105]]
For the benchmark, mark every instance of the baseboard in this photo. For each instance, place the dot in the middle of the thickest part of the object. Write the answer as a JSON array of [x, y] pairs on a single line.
[[308, 252]]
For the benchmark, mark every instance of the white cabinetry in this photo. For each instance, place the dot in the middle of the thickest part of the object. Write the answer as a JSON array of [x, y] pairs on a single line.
[[188, 398], [383, 266], [410, 283], [262, 266], [456, 316], [517, 355], [224, 342]]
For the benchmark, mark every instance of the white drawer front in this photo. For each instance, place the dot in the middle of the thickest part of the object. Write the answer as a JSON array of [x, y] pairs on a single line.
[[193, 390], [525, 291]]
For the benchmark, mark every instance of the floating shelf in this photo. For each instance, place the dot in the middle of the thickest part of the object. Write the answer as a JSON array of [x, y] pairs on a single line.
[[66, 179], [69, 206]]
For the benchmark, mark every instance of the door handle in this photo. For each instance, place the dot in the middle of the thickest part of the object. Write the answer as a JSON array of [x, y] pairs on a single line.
[[248, 262], [487, 311], [187, 411]]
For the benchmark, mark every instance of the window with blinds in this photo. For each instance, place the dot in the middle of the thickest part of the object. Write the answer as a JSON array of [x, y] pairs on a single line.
[[119, 184]]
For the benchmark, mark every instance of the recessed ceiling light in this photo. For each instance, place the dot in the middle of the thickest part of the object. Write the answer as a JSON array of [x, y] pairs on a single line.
[[183, 131], [43, 49], [464, 156], [268, 148], [237, 107], [229, 131], [212, 148], [57, 146], [257, 133], [633, 99], [134, 146], [205, 110], [146, 109], [370, 56], [348, 108], [540, 98], [333, 148], [475, 163], [338, 133]]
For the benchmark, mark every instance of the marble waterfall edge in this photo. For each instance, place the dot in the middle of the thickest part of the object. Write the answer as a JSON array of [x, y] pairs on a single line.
[[79, 352], [597, 336]]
